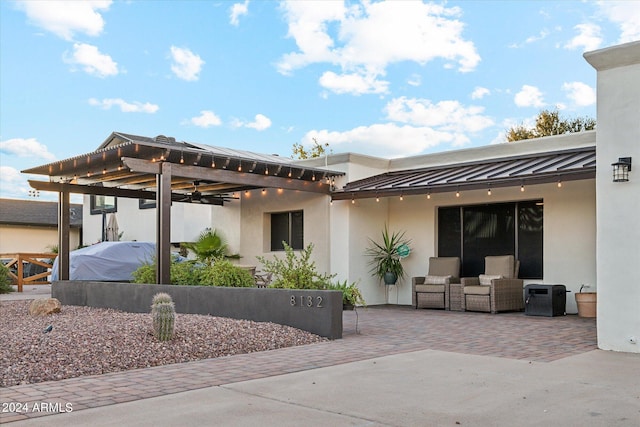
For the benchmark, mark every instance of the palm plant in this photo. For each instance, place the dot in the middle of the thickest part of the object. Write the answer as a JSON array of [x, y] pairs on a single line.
[[385, 258], [209, 246]]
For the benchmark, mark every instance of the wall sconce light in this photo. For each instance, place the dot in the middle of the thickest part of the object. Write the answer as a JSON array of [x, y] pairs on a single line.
[[621, 169]]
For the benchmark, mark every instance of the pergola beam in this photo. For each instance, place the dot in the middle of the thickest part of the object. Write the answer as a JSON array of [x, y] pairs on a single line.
[[228, 176]]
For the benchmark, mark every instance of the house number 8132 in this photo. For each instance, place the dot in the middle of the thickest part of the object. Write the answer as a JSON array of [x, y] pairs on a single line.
[[306, 301]]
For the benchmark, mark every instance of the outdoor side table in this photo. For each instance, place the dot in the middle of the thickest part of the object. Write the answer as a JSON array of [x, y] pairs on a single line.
[[545, 300], [456, 293]]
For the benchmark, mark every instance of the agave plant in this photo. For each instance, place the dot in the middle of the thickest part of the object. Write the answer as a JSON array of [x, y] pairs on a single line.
[[385, 259]]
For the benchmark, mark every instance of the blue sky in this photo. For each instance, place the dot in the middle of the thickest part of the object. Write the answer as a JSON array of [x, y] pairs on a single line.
[[384, 78]]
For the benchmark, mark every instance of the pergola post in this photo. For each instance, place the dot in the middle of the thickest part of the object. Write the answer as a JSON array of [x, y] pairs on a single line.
[[163, 225], [64, 226]]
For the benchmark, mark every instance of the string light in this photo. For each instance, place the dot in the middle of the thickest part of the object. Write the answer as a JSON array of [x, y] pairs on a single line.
[[489, 192], [522, 188], [428, 195], [401, 197], [559, 184]]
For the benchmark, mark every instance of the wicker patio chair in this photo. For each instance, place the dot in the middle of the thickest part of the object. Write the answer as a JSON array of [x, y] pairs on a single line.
[[499, 289], [432, 290], [263, 279]]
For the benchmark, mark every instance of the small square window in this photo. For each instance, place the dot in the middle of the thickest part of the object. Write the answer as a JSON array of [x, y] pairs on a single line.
[[146, 204], [287, 227], [103, 204]]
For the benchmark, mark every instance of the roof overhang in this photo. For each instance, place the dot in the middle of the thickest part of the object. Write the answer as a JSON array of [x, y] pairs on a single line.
[[530, 169], [127, 166]]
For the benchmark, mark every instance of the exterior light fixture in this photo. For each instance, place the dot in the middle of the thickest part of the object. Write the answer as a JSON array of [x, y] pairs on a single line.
[[353, 201], [489, 191], [377, 198], [181, 158], [401, 197], [559, 184], [621, 169], [264, 191], [522, 188], [213, 162], [457, 193]]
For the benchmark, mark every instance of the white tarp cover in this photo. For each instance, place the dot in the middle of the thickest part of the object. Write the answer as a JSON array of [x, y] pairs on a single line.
[[107, 261]]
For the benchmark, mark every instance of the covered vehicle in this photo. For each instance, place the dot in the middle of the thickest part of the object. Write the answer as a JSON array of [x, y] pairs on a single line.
[[107, 261]]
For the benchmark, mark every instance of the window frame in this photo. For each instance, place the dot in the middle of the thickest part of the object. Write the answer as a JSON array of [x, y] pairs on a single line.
[[95, 209], [294, 235]]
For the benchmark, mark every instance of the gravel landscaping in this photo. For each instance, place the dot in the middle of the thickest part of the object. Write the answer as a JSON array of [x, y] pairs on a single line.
[[90, 341]]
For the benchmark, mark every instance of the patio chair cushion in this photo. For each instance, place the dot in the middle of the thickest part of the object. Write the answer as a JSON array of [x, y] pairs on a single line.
[[430, 288], [477, 290], [500, 265], [485, 279], [444, 266], [436, 280]]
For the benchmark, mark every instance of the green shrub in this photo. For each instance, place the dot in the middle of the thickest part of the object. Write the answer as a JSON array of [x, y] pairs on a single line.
[[184, 273], [5, 280], [223, 273], [146, 273], [296, 272]]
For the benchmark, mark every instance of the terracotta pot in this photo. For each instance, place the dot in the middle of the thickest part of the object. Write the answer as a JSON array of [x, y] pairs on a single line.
[[586, 302]]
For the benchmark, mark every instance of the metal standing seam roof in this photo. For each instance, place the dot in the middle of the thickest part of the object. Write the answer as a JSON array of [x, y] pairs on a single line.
[[566, 165]]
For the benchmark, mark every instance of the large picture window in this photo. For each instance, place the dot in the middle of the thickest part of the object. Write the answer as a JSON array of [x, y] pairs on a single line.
[[473, 232], [103, 204], [287, 227]]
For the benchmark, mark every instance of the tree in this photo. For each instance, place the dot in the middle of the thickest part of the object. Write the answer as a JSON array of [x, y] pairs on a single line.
[[317, 150], [550, 123]]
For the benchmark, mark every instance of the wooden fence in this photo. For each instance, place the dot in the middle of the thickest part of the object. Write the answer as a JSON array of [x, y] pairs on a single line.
[[29, 268]]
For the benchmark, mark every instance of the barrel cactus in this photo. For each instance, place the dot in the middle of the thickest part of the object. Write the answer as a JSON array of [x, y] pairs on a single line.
[[163, 313]]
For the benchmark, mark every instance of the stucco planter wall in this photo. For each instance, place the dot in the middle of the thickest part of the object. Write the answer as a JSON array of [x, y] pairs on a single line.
[[319, 312]]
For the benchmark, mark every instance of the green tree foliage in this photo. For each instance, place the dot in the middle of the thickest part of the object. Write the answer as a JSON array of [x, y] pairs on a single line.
[[550, 123], [317, 150], [296, 271]]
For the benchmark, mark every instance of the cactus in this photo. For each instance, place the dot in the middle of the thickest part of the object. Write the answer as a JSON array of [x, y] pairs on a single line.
[[163, 313]]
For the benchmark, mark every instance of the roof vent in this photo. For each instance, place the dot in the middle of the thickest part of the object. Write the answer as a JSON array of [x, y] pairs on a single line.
[[161, 139]]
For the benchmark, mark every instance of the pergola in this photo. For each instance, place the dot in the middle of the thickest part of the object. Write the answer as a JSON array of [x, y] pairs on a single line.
[[165, 170]]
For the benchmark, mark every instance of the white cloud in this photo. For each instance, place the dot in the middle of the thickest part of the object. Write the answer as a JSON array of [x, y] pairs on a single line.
[[65, 18], [414, 80], [91, 60], [626, 14], [448, 116], [13, 184], [125, 107], [260, 123], [206, 119], [529, 96], [580, 93], [383, 140], [364, 39], [588, 38], [531, 39], [186, 64], [29, 147], [480, 92], [355, 84], [237, 10]]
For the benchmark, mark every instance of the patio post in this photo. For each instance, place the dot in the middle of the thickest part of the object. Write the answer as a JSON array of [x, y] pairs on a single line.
[[163, 225], [64, 225]]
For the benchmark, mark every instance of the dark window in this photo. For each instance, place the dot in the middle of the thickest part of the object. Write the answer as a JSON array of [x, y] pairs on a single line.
[[473, 232], [146, 204], [287, 227], [103, 204]]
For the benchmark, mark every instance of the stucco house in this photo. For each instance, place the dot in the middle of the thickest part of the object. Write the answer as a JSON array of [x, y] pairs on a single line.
[[552, 202], [32, 226]]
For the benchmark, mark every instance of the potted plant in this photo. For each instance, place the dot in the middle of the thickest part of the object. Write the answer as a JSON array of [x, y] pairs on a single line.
[[351, 295], [586, 302], [385, 256]]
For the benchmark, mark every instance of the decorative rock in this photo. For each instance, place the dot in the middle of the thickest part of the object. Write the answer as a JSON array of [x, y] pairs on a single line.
[[44, 306]]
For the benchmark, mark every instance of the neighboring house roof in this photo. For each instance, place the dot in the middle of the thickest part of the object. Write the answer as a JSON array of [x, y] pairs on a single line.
[[35, 213]]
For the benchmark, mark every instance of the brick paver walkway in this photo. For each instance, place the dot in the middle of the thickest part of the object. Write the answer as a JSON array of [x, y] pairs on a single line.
[[383, 330]]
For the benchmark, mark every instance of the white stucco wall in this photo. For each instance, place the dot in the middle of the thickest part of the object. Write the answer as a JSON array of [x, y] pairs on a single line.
[[256, 207], [618, 204], [187, 222]]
